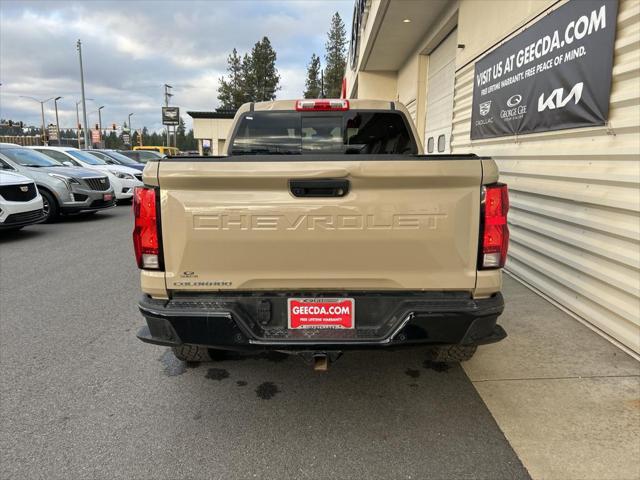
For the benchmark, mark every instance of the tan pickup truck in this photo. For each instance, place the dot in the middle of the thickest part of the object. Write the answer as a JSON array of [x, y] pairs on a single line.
[[323, 229]]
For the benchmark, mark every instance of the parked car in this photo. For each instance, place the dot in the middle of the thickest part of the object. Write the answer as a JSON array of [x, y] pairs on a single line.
[[325, 229], [112, 157], [20, 202], [141, 156], [160, 149], [65, 190], [123, 179]]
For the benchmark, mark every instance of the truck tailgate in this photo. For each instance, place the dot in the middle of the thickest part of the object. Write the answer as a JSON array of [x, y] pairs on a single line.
[[403, 224]]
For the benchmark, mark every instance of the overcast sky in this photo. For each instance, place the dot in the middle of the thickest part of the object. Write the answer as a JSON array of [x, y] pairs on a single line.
[[131, 48]]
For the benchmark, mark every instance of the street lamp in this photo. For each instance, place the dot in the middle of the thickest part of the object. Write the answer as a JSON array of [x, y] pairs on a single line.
[[100, 124], [78, 118], [41, 102], [55, 102], [130, 131]]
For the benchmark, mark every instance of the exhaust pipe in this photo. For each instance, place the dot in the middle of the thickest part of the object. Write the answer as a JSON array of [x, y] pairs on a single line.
[[320, 361]]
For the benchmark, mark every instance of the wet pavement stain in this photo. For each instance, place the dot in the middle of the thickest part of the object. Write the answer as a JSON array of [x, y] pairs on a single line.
[[267, 390], [436, 366], [172, 366], [412, 373], [217, 374], [241, 383]]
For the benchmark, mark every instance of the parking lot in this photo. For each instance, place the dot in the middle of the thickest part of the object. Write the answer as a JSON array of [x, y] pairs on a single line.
[[83, 398]]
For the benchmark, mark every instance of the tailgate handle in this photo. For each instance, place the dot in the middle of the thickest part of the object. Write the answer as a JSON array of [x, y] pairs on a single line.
[[319, 188]]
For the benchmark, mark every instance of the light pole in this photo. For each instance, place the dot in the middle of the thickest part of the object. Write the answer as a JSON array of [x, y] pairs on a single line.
[[84, 103], [78, 119], [55, 102], [130, 131], [41, 102], [100, 123], [167, 96]]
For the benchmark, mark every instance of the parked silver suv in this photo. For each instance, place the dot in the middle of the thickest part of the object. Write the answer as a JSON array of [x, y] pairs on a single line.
[[64, 190]]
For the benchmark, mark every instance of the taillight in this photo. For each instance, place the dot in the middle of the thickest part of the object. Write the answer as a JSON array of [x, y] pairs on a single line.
[[322, 105], [494, 230], [146, 239]]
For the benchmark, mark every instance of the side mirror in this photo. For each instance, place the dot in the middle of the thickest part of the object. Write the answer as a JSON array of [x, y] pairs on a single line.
[[67, 163]]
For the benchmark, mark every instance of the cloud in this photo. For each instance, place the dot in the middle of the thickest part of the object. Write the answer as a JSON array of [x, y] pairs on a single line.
[[131, 49]]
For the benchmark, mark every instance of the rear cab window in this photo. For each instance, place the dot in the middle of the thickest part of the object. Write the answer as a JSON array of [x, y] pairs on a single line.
[[297, 133]]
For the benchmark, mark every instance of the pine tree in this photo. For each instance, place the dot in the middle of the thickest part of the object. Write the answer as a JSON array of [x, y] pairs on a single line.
[[262, 78], [191, 141], [335, 57], [313, 78], [247, 84], [251, 78], [181, 135], [231, 89]]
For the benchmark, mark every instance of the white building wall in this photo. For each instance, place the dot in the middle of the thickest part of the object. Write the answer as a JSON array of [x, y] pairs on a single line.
[[408, 85], [575, 194]]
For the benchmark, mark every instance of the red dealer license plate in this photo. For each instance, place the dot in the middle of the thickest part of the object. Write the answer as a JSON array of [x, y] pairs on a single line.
[[321, 313], [107, 197]]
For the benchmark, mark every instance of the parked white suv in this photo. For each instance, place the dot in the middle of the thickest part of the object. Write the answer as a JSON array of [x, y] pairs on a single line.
[[20, 202], [123, 179]]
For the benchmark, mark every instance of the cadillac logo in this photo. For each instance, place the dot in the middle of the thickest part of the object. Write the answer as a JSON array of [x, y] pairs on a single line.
[[102, 180], [24, 188], [485, 107]]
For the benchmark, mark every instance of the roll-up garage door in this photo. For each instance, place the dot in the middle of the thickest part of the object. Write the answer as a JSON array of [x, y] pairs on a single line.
[[440, 82]]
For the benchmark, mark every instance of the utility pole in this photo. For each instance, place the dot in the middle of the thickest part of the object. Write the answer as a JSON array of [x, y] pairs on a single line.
[[321, 83], [167, 96], [84, 103], [55, 102], [100, 124]]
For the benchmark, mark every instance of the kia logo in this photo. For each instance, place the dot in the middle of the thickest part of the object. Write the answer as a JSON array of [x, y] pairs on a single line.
[[514, 100], [557, 99]]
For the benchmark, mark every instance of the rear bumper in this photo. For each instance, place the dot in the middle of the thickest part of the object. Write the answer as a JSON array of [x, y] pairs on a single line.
[[258, 321]]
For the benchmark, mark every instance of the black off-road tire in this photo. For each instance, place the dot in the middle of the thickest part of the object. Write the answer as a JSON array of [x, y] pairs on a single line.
[[192, 353], [451, 353]]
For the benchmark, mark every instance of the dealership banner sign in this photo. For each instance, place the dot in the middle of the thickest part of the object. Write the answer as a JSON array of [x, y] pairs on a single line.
[[556, 74]]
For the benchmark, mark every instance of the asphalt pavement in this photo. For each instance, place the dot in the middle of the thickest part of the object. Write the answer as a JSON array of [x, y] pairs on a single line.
[[81, 397]]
